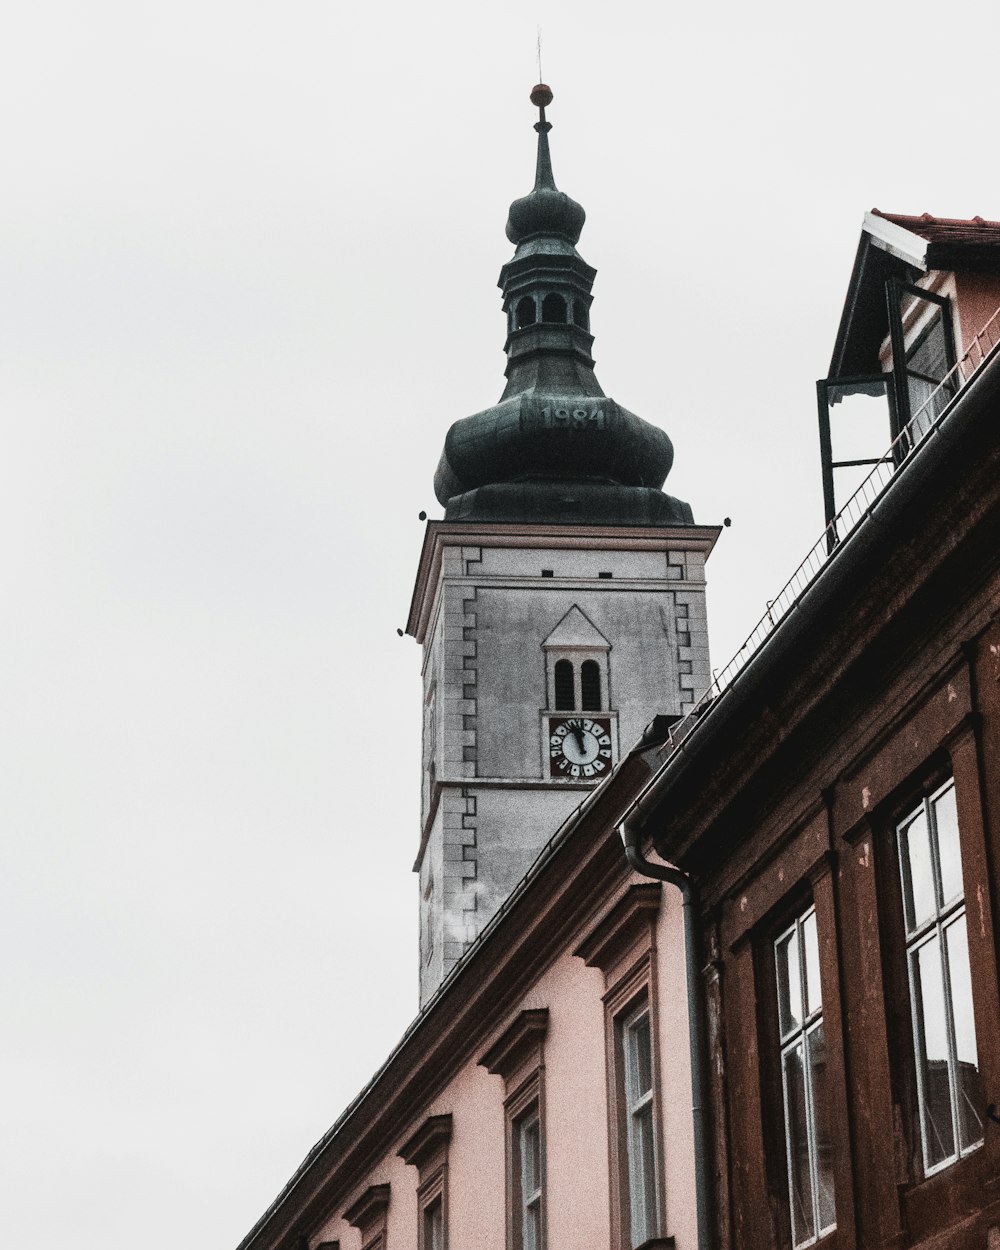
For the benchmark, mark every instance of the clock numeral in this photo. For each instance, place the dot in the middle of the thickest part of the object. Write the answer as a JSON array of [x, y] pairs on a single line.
[[575, 770], [599, 766], [604, 740], [588, 770], [606, 752]]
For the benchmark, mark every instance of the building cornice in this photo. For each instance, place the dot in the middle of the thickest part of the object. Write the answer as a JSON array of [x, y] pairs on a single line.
[[441, 534], [553, 903]]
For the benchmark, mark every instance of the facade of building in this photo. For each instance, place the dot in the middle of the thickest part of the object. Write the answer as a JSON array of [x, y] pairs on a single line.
[[830, 810], [838, 804]]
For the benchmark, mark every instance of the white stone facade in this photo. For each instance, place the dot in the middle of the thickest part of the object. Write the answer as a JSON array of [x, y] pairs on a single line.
[[484, 611]]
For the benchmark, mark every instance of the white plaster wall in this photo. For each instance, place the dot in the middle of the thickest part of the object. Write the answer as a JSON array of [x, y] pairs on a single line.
[[529, 562], [513, 826], [511, 625]]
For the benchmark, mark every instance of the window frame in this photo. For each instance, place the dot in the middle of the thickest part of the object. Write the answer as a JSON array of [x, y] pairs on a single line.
[[911, 940], [518, 1057], [785, 1041], [622, 943], [907, 332], [524, 1206], [427, 1151]]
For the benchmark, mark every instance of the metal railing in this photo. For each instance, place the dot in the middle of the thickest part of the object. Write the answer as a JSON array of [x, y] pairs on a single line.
[[932, 412]]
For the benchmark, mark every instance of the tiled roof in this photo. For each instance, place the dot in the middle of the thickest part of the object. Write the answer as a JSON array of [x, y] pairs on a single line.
[[954, 230]]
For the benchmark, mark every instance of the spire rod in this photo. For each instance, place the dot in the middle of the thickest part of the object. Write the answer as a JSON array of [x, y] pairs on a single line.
[[541, 95]]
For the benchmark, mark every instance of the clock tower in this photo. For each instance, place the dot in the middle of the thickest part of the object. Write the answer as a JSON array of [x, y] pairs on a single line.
[[560, 603]]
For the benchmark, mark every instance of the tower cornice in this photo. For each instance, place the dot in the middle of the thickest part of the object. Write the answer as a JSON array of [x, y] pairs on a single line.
[[441, 534]]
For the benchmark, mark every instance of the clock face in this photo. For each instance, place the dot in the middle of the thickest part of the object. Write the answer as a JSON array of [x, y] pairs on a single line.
[[579, 747]]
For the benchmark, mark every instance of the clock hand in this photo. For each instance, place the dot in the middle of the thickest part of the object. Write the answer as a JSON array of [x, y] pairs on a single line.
[[578, 735]]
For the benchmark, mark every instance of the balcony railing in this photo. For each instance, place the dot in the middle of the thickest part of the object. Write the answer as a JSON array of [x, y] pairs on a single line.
[[932, 413]]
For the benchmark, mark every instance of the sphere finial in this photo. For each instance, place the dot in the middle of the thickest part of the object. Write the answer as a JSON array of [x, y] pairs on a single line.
[[541, 96]]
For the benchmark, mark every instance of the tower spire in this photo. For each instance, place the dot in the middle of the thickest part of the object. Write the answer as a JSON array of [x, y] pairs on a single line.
[[555, 447]]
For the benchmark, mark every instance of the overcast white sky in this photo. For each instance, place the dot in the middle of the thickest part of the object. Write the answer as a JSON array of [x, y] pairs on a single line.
[[248, 255]]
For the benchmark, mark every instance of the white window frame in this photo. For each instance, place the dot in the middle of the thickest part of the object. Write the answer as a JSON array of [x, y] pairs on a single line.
[[644, 1197], [530, 1198], [946, 913], [799, 1034]]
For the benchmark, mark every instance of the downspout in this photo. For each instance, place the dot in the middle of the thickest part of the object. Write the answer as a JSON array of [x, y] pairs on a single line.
[[632, 839]]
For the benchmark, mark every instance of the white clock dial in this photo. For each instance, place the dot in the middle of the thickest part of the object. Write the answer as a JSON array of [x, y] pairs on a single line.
[[579, 747]]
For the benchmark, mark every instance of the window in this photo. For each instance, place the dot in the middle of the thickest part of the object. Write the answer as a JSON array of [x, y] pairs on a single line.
[[565, 686], [641, 1142], [433, 1226], [949, 1086], [517, 1056], [427, 1151], [923, 352], [590, 685], [527, 1170], [622, 944], [808, 1144], [554, 308], [526, 314]]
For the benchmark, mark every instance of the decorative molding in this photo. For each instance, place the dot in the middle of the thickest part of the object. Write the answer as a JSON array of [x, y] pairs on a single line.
[[440, 534], [430, 1140], [575, 631], [628, 922], [520, 1043], [368, 1215]]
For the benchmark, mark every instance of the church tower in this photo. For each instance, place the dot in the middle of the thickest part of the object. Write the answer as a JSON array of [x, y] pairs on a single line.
[[560, 603]]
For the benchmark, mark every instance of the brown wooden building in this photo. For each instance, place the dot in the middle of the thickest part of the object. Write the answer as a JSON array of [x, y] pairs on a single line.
[[837, 803]]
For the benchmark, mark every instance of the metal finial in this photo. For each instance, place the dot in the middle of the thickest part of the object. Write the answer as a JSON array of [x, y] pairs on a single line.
[[541, 95]]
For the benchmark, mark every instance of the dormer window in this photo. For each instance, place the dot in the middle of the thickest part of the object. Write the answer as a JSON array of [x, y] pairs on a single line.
[[861, 416]]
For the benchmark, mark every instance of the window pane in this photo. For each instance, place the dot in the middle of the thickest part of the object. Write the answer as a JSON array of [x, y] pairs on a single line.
[[797, 1141], [930, 1041], [532, 1229], [531, 1170], [814, 998], [434, 1226], [917, 873], [590, 686], [642, 1177], [929, 356], [971, 1095], [640, 1059], [786, 951], [823, 1141], [949, 854], [565, 694]]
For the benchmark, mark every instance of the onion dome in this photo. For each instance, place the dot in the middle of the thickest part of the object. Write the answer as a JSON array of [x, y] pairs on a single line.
[[546, 210], [555, 449]]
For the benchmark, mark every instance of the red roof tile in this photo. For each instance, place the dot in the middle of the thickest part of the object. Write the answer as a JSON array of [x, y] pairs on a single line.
[[958, 230]]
